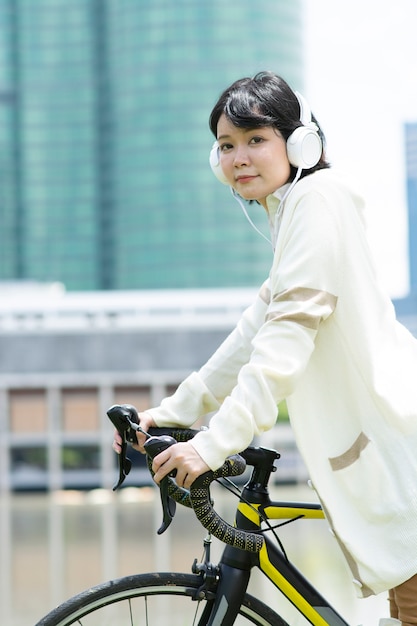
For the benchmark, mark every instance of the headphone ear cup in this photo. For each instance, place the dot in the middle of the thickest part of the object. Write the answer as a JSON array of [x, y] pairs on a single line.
[[215, 164], [304, 147]]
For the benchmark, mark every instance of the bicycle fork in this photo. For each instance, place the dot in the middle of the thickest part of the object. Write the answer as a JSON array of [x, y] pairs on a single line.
[[224, 585]]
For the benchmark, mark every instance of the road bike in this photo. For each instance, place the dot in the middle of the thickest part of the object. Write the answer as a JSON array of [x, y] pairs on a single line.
[[212, 594]]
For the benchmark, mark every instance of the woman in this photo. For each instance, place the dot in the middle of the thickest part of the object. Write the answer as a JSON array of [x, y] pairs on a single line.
[[322, 335]]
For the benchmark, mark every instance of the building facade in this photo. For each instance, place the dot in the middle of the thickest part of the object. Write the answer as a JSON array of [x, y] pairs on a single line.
[[104, 139]]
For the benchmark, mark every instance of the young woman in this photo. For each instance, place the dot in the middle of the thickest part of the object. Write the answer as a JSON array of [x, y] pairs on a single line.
[[322, 335]]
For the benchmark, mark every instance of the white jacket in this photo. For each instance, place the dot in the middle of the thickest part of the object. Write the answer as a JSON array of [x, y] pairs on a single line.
[[323, 336]]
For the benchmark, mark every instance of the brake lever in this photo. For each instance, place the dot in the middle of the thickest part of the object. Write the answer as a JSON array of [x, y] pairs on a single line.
[[153, 446], [125, 465], [126, 421]]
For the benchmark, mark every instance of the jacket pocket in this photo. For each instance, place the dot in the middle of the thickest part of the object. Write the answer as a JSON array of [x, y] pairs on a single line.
[[351, 455], [364, 480]]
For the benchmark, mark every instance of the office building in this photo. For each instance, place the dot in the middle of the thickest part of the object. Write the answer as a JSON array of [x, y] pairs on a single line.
[[104, 139]]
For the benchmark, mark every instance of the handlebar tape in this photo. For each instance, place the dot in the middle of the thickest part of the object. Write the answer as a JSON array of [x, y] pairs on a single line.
[[211, 520]]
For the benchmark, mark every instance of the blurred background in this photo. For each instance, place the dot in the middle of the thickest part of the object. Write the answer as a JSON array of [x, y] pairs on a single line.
[[124, 263]]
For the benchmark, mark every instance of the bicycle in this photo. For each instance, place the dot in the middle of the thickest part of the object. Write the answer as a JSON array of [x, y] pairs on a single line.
[[212, 594]]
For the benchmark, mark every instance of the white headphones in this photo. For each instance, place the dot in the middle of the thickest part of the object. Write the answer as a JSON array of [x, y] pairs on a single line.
[[304, 146]]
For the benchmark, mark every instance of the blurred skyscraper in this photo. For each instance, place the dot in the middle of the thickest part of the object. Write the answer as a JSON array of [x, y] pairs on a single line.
[[104, 139]]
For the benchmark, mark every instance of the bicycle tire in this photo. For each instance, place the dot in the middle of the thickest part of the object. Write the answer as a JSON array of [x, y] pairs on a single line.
[[142, 596]]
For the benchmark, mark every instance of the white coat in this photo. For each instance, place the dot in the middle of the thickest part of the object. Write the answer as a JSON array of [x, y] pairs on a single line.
[[323, 335]]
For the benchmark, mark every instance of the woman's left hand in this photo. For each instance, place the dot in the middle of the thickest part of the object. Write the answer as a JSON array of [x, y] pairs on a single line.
[[182, 457]]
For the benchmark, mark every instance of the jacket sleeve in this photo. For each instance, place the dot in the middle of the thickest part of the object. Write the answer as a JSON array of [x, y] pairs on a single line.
[[304, 285], [203, 392]]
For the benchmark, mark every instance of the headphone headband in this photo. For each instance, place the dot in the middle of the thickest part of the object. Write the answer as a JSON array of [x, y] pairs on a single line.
[[305, 112]]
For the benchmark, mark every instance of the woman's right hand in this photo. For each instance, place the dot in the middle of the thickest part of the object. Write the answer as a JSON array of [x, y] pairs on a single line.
[[146, 422]]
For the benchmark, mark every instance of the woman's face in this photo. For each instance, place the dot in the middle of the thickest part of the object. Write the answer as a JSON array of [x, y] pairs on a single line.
[[255, 161]]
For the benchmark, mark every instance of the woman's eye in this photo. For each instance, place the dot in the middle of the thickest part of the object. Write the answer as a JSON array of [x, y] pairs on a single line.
[[256, 139], [225, 146]]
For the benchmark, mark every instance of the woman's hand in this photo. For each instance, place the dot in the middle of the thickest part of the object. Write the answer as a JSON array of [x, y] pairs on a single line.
[[182, 457], [146, 422]]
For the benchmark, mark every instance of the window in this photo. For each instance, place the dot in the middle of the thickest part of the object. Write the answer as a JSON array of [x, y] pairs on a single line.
[[28, 411], [140, 397], [80, 410]]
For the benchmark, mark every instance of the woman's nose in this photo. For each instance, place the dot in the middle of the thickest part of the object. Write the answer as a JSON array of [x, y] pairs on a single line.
[[241, 156]]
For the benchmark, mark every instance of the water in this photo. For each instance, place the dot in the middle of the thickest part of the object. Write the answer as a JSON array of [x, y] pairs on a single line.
[[55, 545]]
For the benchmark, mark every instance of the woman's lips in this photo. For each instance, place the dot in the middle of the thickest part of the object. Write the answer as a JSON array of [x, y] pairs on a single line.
[[245, 179]]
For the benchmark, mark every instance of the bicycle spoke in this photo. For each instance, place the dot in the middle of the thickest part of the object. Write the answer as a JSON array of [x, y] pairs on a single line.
[[196, 613], [146, 611]]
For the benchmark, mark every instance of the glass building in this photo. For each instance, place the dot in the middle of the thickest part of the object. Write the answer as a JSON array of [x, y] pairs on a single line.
[[104, 139]]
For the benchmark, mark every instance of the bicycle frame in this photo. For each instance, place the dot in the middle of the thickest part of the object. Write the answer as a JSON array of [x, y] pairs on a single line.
[[236, 564]]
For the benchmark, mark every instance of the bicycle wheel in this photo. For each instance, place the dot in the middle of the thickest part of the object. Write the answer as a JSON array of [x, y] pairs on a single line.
[[149, 600]]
